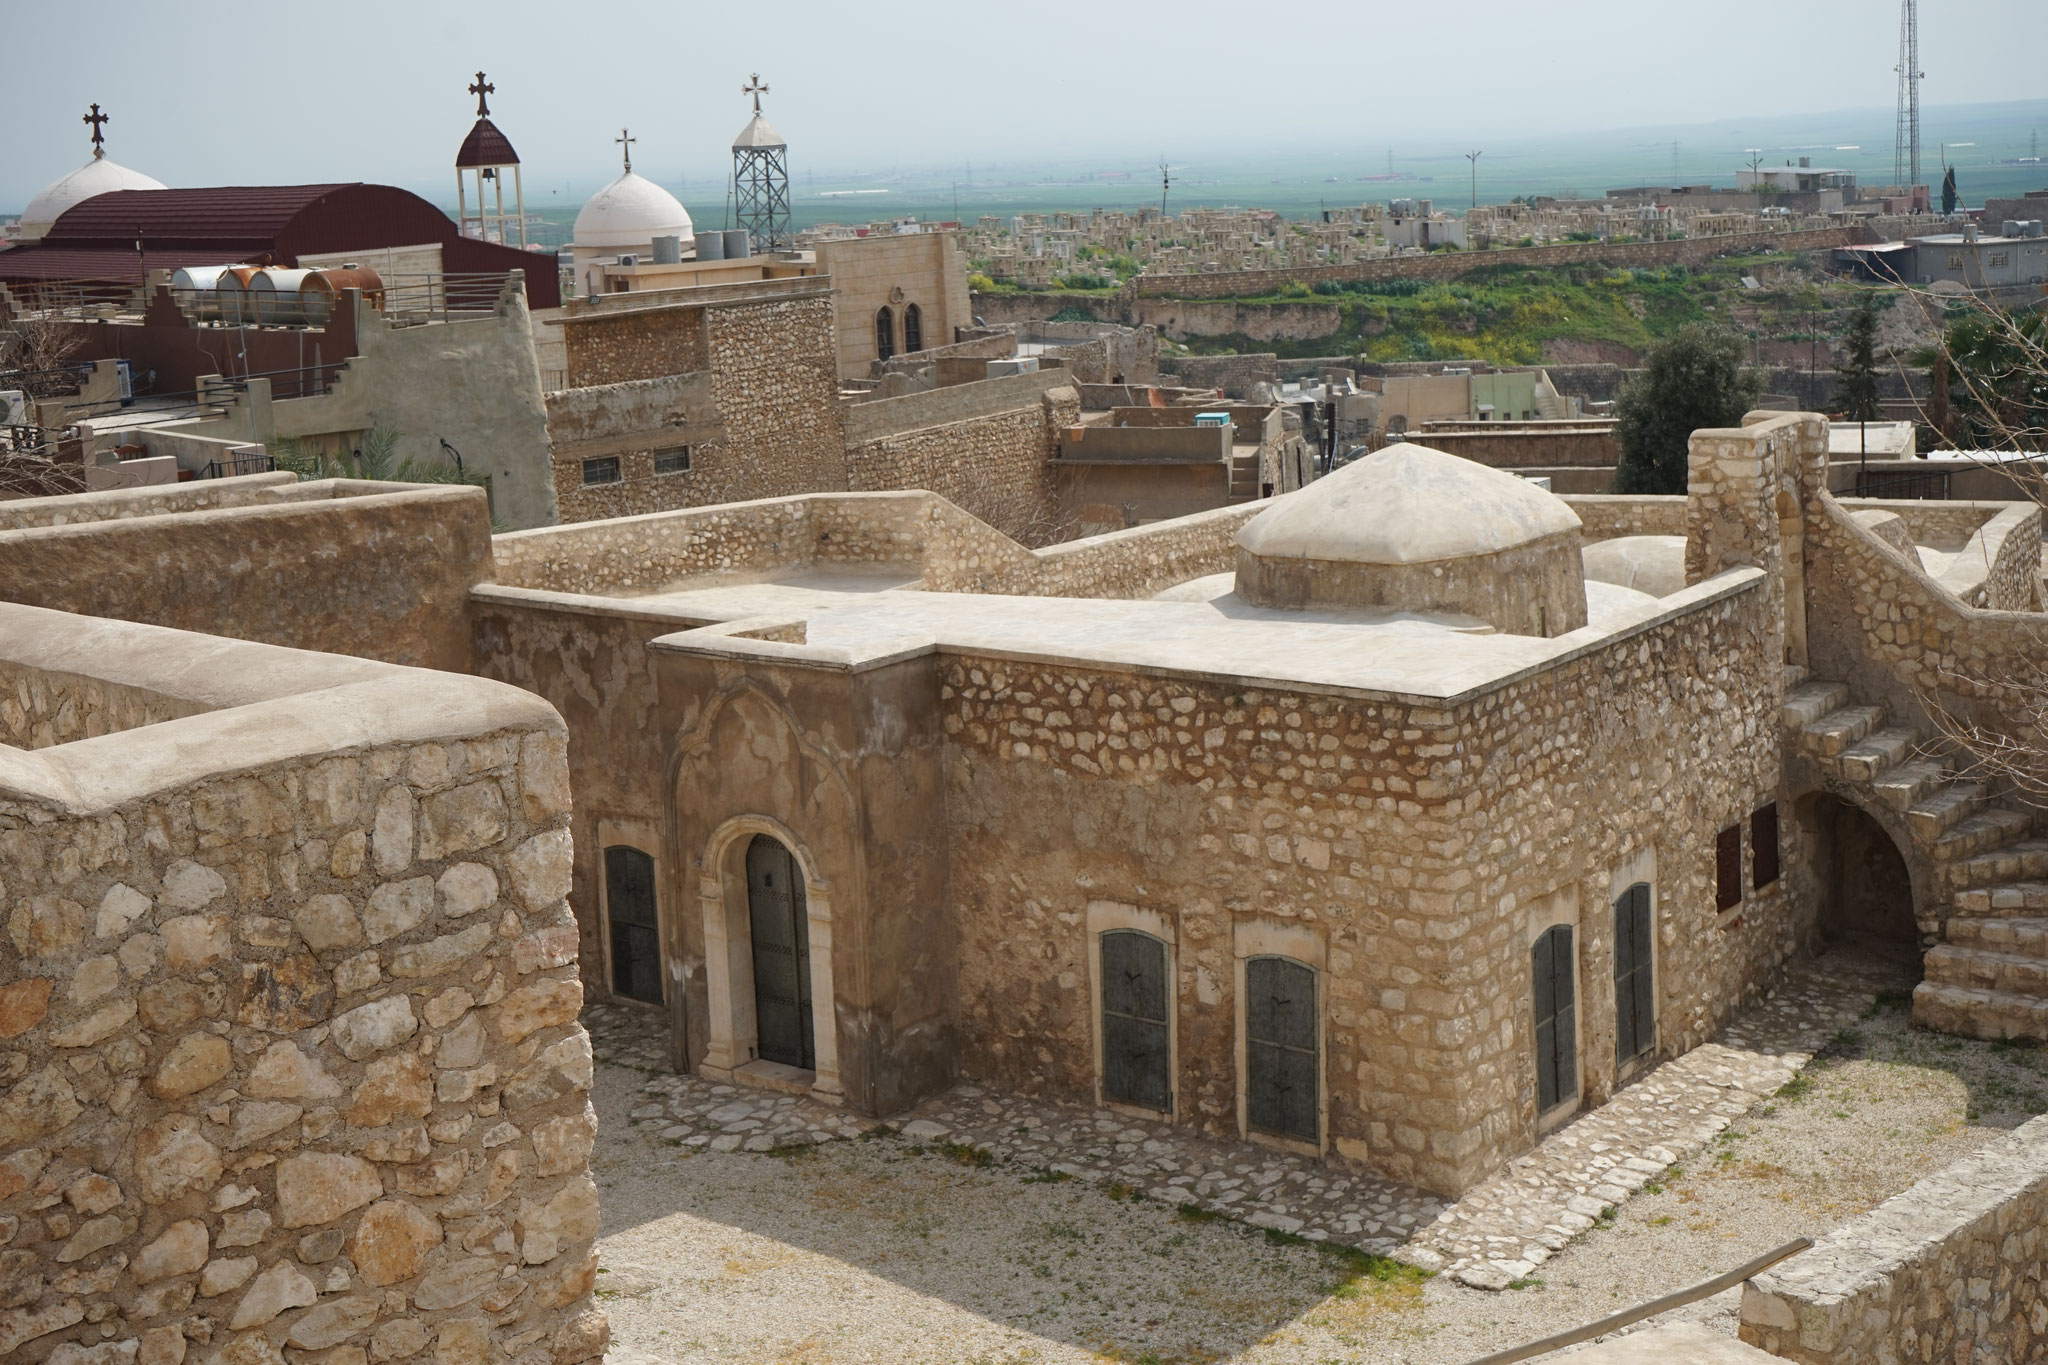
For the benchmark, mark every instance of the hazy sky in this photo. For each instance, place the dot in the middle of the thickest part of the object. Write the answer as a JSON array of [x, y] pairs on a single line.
[[373, 90]]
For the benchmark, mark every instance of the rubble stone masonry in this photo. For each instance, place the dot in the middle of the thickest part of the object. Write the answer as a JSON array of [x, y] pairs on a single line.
[[290, 1066]]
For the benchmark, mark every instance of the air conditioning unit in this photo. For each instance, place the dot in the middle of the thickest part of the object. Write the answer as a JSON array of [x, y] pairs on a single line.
[[629, 260]]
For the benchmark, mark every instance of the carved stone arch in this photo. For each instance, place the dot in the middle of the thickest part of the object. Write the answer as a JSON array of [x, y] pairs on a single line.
[[776, 780], [1923, 876]]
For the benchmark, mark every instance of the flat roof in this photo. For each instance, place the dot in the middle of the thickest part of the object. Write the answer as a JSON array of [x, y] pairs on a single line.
[[1407, 655]]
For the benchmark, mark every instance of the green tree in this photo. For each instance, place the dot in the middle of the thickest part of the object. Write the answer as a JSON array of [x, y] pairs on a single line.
[[1856, 387], [1693, 379]]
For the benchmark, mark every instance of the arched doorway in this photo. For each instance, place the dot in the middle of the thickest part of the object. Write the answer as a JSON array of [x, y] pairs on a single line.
[[779, 925], [1866, 893]]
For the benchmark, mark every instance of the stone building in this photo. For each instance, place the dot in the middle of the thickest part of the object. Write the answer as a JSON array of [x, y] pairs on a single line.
[[1287, 821]]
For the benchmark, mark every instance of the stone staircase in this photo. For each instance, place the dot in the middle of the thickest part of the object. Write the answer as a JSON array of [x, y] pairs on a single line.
[[1244, 474], [1988, 978]]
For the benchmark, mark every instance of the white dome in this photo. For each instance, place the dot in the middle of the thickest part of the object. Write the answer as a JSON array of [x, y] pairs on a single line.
[[628, 213], [97, 176]]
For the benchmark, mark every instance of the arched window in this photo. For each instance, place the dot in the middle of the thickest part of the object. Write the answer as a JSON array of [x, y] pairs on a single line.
[[885, 332], [913, 328], [1282, 1085], [1557, 1033]]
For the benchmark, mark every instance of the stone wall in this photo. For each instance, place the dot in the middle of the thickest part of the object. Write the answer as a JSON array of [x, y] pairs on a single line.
[[1563, 445], [1234, 375], [1447, 265], [997, 468], [1413, 841], [607, 347], [119, 504], [372, 569], [875, 418], [1950, 1270], [288, 1025], [771, 425], [1609, 516]]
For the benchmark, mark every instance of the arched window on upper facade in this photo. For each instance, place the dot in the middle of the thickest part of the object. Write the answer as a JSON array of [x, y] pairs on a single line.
[[885, 332], [913, 328]]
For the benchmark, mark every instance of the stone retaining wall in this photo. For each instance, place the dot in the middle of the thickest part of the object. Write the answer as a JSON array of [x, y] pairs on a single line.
[[290, 1067], [1950, 1270], [1447, 265]]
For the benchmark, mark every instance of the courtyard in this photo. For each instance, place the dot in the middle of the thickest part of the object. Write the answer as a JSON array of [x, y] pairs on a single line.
[[839, 1240]]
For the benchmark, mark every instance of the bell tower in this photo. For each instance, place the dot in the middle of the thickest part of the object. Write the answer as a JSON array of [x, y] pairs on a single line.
[[481, 168]]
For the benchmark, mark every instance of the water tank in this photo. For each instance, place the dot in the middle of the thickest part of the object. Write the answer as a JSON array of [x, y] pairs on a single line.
[[738, 246], [194, 287], [275, 293], [321, 287], [710, 246], [231, 291], [668, 250]]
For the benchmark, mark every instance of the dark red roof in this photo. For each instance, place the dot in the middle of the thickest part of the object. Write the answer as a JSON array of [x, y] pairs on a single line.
[[95, 238], [485, 146], [238, 212]]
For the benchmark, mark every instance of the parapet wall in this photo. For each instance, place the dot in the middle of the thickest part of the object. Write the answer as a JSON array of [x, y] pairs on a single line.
[[916, 531], [289, 1059], [344, 566], [1950, 1270]]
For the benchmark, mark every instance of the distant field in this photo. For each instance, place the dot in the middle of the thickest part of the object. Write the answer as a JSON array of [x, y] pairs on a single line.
[[1299, 184]]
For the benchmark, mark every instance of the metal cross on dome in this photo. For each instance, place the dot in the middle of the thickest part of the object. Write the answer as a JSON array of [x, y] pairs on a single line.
[[481, 89], [96, 118], [626, 140], [756, 89]]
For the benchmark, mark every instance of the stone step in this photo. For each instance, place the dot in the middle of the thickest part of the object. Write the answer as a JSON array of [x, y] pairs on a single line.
[[1794, 674], [1809, 701], [2025, 861], [1863, 761], [1976, 1013], [1980, 833], [1900, 787], [1839, 729], [1945, 808], [2002, 899], [1985, 969], [2020, 935]]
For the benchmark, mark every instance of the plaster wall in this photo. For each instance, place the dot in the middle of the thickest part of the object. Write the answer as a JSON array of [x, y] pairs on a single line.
[[1533, 589], [893, 270]]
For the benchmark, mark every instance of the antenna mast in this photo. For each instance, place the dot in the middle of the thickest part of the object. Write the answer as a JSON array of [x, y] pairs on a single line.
[[1165, 182], [1906, 143]]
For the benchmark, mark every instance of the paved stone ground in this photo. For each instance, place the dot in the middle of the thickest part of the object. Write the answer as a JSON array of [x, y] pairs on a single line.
[[1496, 1235]]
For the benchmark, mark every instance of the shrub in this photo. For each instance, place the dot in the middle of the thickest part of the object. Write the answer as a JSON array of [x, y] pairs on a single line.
[[1694, 379]]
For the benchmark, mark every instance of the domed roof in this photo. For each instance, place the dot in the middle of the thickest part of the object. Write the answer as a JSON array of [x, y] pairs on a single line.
[[1406, 504], [485, 146], [97, 176], [757, 134], [630, 212]]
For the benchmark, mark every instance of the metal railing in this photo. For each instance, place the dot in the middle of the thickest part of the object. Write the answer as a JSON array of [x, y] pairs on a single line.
[[1919, 486], [413, 299], [299, 381], [261, 462]]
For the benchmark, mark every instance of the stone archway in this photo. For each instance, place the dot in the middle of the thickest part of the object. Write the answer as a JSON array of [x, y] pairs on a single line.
[[1866, 890]]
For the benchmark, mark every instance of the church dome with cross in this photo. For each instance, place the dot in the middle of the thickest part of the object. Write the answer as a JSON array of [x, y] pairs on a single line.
[[628, 214], [97, 176]]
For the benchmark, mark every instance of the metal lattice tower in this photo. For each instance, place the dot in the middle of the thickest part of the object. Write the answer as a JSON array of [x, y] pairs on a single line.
[[760, 178], [1906, 148]]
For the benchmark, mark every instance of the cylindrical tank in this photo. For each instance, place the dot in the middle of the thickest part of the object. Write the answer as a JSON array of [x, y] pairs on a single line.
[[317, 293], [275, 292], [668, 250], [194, 287], [710, 246], [232, 292], [738, 246]]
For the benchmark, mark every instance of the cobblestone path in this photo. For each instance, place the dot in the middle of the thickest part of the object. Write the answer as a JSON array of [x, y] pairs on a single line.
[[1499, 1232]]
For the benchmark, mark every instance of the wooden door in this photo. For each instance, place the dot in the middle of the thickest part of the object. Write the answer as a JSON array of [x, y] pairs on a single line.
[[1557, 1034], [782, 955], [1282, 1087], [1135, 1052], [1635, 995], [635, 927]]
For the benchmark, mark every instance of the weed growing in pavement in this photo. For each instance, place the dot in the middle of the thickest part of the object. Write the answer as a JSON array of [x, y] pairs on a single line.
[[1195, 1213], [1045, 1175], [1124, 1194]]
